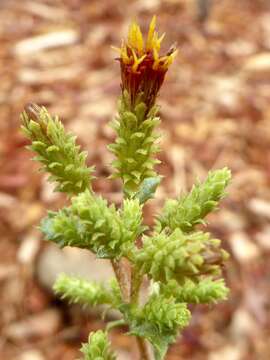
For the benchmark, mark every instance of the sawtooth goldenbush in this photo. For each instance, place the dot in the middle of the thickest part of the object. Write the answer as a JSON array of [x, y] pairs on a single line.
[[182, 262]]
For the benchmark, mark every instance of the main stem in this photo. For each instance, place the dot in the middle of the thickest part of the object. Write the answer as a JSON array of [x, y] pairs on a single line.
[[125, 286], [128, 284], [123, 279], [143, 348]]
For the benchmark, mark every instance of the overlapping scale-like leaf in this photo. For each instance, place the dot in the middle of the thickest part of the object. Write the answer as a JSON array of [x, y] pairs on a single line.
[[56, 150], [192, 208]]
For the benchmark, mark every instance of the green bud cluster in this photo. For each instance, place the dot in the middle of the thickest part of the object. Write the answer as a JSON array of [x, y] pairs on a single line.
[[131, 216], [65, 229], [80, 291], [206, 291], [135, 144], [180, 256], [98, 347], [159, 321], [192, 208], [90, 223], [56, 151], [166, 314]]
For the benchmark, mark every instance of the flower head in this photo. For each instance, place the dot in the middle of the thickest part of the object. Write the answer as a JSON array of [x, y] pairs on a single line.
[[142, 67]]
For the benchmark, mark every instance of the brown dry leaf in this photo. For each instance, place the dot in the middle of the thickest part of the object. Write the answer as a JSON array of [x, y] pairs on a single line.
[[41, 325], [243, 248]]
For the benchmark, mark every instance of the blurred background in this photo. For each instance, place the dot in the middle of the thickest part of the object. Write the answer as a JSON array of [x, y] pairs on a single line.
[[215, 109]]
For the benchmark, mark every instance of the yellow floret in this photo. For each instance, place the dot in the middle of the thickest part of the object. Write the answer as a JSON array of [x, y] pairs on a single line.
[[135, 50], [124, 54], [153, 42], [135, 38], [136, 60], [151, 32]]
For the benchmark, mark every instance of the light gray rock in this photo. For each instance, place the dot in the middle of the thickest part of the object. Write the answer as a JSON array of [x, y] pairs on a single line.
[[35, 326], [71, 261], [31, 355], [74, 262]]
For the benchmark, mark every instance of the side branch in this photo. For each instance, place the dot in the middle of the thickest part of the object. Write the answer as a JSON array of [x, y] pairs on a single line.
[[123, 278]]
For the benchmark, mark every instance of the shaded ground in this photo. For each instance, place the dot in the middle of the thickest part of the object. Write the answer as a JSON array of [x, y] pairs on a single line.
[[215, 112]]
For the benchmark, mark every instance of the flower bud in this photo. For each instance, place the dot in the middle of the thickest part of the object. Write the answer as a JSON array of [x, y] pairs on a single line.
[[143, 69]]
